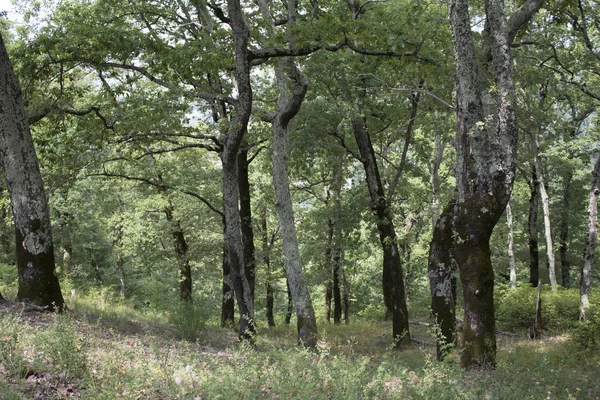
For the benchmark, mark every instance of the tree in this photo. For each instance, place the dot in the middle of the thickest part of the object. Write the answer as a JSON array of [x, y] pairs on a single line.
[[38, 283], [486, 144], [590, 247]]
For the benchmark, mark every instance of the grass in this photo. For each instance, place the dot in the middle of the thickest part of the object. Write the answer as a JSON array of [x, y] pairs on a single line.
[[108, 351]]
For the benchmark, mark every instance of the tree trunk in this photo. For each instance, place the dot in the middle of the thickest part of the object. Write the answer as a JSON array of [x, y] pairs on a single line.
[[181, 248], [329, 269], [346, 299], [290, 303], [328, 299], [38, 283], [590, 246], [511, 248], [434, 177], [486, 149], [266, 250], [534, 255], [246, 218], [229, 157], [546, 210], [288, 105], [440, 282], [393, 277], [563, 244], [227, 301], [338, 265]]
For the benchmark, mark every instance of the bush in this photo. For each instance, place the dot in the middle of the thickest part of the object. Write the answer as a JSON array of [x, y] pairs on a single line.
[[515, 309], [189, 319], [587, 334]]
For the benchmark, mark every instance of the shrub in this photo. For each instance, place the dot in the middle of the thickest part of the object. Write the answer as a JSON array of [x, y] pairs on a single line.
[[189, 319], [515, 309], [587, 334]]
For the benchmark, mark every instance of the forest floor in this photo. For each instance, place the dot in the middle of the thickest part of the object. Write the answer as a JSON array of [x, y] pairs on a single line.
[[111, 351]]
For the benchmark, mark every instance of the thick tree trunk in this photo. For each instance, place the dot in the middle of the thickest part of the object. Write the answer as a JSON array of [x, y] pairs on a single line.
[[534, 255], [512, 263], [393, 277], [440, 282], [38, 283], [486, 148], [546, 211], [288, 105], [590, 246], [227, 297], [563, 245], [246, 218], [229, 157], [266, 250]]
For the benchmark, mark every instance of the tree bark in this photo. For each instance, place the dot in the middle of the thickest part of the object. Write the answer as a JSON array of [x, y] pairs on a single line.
[[329, 269], [229, 157], [545, 209], [290, 303], [227, 297], [590, 246], [534, 255], [181, 247], [338, 265], [511, 247], [288, 105], [563, 244], [393, 277], [440, 282], [486, 147], [38, 283], [266, 250], [246, 218]]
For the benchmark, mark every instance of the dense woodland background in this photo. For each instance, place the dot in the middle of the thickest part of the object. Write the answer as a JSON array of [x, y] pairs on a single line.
[[143, 119]]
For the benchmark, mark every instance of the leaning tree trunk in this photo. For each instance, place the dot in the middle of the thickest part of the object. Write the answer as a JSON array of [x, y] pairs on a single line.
[[510, 248], [545, 209], [288, 105], [229, 157], [440, 282], [534, 254], [38, 283], [393, 277], [486, 149], [590, 247]]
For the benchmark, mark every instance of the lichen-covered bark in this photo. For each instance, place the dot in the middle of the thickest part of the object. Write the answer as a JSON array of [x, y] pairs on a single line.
[[590, 247], [440, 281], [393, 277], [486, 146], [246, 218], [38, 283], [510, 247], [229, 157], [288, 105]]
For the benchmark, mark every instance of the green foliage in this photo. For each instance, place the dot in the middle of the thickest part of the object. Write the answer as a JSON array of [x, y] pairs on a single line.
[[189, 319], [62, 349], [515, 309], [587, 334]]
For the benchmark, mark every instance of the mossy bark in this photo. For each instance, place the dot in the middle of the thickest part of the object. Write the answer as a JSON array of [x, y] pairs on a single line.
[[440, 282], [392, 275]]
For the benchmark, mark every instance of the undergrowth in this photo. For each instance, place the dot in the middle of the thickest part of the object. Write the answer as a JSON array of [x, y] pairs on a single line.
[[96, 353]]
